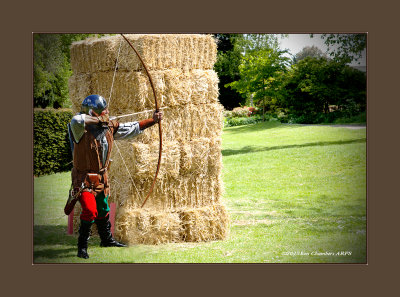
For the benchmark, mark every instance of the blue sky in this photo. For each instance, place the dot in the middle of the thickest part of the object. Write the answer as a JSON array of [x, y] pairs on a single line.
[[295, 43]]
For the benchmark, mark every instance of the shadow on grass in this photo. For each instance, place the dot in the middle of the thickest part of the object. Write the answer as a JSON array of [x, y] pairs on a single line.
[[255, 127], [256, 149], [54, 254], [277, 125], [52, 235]]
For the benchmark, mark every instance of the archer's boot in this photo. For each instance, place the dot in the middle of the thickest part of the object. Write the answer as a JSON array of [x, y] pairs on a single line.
[[104, 229], [84, 234]]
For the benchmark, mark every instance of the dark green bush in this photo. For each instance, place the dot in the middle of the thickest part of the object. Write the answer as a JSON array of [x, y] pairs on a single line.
[[360, 118], [51, 149], [336, 117]]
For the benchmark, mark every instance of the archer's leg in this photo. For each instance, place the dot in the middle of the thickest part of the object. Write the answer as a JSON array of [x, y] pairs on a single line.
[[103, 223], [89, 213]]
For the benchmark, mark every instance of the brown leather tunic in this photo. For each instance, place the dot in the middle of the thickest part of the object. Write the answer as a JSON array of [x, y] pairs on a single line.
[[87, 159]]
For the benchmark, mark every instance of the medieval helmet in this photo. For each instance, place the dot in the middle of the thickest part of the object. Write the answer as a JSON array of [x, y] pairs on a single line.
[[93, 102]]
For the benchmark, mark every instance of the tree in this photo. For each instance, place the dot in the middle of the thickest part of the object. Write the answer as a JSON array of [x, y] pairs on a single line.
[[51, 68], [261, 71], [308, 51], [227, 67], [310, 86], [345, 48], [231, 49], [313, 84], [255, 42], [49, 65]]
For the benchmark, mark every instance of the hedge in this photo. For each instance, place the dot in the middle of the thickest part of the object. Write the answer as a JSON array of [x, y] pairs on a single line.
[[239, 121], [51, 149]]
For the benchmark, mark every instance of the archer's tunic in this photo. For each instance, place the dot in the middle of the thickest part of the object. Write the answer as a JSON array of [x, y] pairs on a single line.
[[91, 153]]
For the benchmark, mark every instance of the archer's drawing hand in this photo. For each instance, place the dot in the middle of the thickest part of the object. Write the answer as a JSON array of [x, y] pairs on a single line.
[[103, 118]]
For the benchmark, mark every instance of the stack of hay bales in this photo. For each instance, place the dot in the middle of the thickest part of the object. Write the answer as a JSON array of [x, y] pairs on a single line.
[[185, 204]]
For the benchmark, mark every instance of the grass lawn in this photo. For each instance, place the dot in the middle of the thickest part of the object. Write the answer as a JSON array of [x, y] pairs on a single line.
[[295, 194]]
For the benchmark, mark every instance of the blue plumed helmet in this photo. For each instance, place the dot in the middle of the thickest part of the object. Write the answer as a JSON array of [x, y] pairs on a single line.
[[93, 102]]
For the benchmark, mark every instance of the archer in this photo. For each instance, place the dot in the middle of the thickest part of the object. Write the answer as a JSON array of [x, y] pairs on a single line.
[[92, 134]]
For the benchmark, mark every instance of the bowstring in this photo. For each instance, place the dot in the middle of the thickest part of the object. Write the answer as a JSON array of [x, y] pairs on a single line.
[[115, 71], [129, 173], [109, 103]]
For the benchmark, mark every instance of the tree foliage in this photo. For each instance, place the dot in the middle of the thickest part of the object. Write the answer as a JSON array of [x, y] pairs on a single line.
[[261, 69], [227, 68], [313, 84], [248, 43], [345, 48], [50, 71], [308, 51], [51, 68], [231, 50], [259, 73], [304, 90]]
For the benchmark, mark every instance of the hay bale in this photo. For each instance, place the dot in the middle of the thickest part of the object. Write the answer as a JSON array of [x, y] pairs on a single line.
[[132, 90], [93, 54], [144, 226], [205, 224], [159, 51], [186, 123], [79, 88], [141, 159], [215, 164], [189, 191], [190, 174]]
